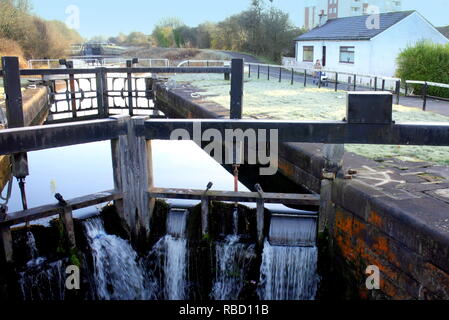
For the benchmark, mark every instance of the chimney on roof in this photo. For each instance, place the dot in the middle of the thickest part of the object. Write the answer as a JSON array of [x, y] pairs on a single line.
[[322, 18]]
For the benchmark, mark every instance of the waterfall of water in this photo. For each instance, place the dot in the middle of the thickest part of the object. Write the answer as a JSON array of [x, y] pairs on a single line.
[[235, 221], [33, 252], [170, 254], [43, 281], [288, 273], [291, 230], [231, 265], [117, 272]]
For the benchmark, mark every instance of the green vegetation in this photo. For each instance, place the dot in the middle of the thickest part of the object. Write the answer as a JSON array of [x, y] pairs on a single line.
[[281, 101], [261, 30], [426, 61], [28, 36]]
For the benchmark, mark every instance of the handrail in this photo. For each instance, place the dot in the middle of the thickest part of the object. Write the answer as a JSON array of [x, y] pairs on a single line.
[[429, 83], [54, 209], [225, 62], [296, 68]]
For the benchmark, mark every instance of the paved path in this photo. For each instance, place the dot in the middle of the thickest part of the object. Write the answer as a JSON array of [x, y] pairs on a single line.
[[437, 106]]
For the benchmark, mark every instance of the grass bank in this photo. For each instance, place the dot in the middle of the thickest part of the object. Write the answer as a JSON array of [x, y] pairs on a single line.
[[281, 101]]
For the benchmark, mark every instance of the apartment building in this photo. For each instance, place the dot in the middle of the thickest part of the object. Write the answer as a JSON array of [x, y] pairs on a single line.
[[345, 8]]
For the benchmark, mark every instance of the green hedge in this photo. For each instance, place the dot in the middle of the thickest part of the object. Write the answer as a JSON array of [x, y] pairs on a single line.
[[425, 61]]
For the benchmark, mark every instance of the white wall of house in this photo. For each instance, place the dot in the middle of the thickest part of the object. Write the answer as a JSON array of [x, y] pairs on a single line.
[[361, 57], [377, 56], [386, 47]]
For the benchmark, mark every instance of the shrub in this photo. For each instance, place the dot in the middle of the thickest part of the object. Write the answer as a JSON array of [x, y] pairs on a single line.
[[426, 61], [12, 48]]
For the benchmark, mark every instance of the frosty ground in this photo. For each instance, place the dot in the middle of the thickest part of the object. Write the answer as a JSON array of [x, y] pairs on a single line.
[[265, 99]]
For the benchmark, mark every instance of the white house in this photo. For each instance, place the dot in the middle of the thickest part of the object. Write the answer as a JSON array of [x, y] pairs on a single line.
[[364, 44]]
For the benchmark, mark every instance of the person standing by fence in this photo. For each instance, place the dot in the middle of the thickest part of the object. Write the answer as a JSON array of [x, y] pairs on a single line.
[[317, 67]]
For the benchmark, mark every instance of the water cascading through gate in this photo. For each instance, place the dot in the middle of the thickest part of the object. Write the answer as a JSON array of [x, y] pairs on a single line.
[[289, 259], [118, 273], [171, 251]]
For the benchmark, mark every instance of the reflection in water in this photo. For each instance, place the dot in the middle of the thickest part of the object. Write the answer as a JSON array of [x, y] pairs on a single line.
[[83, 169]]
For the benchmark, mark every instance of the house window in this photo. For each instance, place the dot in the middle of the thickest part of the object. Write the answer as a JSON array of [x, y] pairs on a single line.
[[347, 54], [307, 54]]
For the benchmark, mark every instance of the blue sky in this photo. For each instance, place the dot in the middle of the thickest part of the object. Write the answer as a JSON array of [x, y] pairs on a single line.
[[103, 17]]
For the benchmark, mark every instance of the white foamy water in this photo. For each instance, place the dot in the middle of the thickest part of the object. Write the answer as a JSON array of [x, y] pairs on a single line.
[[288, 273], [117, 272]]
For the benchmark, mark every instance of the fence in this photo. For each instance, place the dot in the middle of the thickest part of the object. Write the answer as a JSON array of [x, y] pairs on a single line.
[[350, 82], [89, 93], [424, 89]]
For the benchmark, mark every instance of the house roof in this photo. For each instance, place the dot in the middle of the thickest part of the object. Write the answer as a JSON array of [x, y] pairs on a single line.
[[444, 31], [353, 28]]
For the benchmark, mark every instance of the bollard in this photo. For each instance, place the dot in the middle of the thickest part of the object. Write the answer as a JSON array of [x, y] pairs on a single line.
[[249, 70], [258, 72], [268, 73], [355, 82], [293, 76], [280, 74]]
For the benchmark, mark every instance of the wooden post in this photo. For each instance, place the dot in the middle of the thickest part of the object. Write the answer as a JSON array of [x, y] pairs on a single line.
[[425, 87], [72, 89], [67, 219], [14, 110], [336, 81], [205, 215], [398, 91], [6, 239], [260, 222], [236, 89], [333, 154], [129, 64], [132, 167]]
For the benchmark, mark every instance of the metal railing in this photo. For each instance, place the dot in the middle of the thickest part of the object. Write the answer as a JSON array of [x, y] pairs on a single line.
[[424, 91], [352, 81], [205, 63], [93, 92]]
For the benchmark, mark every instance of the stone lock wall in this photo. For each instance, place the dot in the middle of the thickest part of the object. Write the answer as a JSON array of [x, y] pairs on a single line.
[[394, 215]]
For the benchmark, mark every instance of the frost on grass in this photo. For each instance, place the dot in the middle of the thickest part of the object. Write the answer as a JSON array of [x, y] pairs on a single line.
[[281, 101]]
